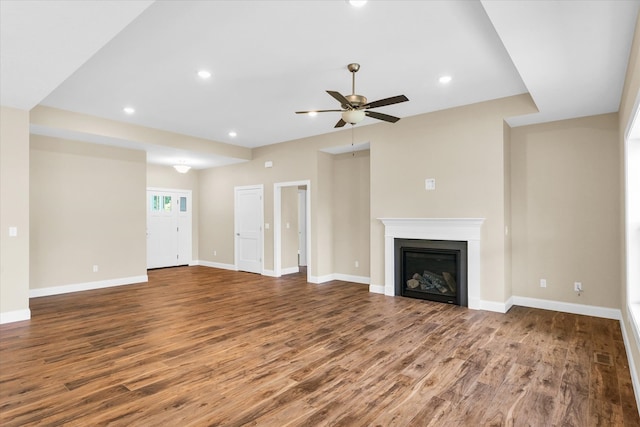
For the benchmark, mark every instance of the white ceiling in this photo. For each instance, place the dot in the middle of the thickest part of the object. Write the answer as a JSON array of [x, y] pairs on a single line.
[[271, 58]]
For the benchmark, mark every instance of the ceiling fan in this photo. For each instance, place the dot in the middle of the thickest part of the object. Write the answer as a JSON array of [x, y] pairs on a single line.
[[355, 107]]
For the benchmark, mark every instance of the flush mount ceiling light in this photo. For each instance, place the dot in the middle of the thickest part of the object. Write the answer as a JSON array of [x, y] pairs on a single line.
[[129, 110], [444, 79], [204, 74], [182, 167], [357, 3]]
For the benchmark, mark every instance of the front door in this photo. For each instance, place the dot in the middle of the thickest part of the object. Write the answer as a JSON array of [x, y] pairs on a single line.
[[168, 228], [248, 228]]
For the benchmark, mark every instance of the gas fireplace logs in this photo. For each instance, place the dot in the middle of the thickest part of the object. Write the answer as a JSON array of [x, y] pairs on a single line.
[[429, 281]]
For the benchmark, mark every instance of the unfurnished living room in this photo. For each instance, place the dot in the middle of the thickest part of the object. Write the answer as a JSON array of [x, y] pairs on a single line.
[[320, 213]]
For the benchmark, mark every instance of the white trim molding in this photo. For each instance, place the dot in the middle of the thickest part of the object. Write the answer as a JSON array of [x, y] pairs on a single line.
[[635, 380], [342, 277], [289, 270], [78, 287], [460, 229], [220, 265], [567, 307], [15, 316]]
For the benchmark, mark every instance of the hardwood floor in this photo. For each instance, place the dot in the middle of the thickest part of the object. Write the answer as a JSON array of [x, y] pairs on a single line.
[[201, 346]]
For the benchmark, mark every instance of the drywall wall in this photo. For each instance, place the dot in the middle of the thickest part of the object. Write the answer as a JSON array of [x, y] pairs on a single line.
[[463, 150], [87, 209], [351, 213], [566, 210], [630, 96], [14, 212], [86, 127], [159, 176]]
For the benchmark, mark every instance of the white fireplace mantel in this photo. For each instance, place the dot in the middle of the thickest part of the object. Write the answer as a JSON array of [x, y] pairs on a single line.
[[460, 229]]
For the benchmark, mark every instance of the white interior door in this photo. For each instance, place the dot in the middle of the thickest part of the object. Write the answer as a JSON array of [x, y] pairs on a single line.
[[302, 227], [248, 228], [168, 228]]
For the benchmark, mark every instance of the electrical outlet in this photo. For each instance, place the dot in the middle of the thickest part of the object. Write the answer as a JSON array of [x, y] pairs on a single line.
[[577, 286], [357, 264], [543, 283], [215, 253], [95, 268]]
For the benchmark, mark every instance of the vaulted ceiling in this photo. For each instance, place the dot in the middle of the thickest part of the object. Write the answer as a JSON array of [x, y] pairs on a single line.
[[268, 59]]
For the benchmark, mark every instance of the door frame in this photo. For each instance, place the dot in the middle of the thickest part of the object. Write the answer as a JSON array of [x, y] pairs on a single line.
[[236, 247], [277, 224], [189, 210]]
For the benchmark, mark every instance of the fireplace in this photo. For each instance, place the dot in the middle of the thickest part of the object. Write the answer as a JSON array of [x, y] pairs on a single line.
[[457, 229], [434, 270]]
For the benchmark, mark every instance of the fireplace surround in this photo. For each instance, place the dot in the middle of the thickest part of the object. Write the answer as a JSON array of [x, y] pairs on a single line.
[[458, 229]]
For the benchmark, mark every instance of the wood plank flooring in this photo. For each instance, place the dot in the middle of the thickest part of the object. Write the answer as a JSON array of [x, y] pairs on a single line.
[[197, 346]]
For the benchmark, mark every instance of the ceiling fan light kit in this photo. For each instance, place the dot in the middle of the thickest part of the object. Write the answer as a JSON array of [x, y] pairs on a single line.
[[353, 116], [355, 107]]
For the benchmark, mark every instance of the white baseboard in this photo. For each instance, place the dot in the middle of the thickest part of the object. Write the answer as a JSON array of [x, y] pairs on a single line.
[[376, 289], [321, 279], [290, 270], [215, 265], [567, 307], [627, 345], [269, 273], [498, 307], [78, 287], [339, 276], [349, 278], [15, 316]]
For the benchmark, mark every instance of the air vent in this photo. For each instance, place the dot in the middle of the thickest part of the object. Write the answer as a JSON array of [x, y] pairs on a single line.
[[603, 358]]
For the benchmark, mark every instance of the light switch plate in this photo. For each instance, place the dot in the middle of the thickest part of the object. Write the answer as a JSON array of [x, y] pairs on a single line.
[[13, 231], [430, 184]]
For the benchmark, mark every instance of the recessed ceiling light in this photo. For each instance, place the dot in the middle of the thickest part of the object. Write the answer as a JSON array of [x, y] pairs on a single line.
[[129, 110], [357, 3], [233, 134], [444, 79], [204, 74], [313, 113]]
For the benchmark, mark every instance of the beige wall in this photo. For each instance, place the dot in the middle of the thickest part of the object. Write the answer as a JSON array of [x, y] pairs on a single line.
[[87, 208], [566, 210], [351, 213], [85, 126], [167, 177], [463, 149], [14, 212], [630, 95]]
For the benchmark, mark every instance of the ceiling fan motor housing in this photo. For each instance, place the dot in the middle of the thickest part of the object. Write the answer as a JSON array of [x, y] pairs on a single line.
[[355, 100]]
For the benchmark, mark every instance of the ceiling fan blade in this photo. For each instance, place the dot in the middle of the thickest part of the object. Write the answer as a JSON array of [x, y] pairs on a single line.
[[317, 111], [386, 101], [340, 98], [340, 123], [380, 116]]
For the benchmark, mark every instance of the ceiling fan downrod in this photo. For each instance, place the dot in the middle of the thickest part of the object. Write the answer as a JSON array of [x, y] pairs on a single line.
[[354, 100]]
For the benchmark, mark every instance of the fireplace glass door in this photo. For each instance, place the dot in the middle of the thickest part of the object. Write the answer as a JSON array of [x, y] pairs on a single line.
[[432, 270]]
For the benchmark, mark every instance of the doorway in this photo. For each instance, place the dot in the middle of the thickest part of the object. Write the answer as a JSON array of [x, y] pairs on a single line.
[[304, 224], [169, 231]]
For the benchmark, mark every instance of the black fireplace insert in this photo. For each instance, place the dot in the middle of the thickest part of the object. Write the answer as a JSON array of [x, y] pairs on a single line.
[[434, 270]]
